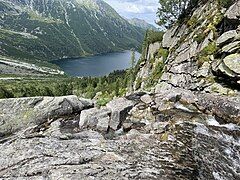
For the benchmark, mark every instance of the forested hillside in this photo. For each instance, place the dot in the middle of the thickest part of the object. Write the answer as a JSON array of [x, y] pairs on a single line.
[[42, 30]]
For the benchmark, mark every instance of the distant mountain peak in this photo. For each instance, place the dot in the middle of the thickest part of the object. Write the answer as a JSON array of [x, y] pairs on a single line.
[[141, 23]]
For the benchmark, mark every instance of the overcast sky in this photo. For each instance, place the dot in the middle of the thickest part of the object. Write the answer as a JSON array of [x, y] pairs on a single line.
[[143, 9]]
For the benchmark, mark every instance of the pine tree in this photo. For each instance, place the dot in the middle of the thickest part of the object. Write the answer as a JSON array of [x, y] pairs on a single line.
[[171, 10], [133, 62]]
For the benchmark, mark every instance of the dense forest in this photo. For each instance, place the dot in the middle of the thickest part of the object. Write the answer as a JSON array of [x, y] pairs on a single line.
[[105, 87]]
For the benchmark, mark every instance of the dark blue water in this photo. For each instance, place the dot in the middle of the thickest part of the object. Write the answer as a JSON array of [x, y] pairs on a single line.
[[99, 65]]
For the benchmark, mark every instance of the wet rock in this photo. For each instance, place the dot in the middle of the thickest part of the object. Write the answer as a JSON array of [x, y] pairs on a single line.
[[226, 37], [226, 108], [95, 119], [120, 108], [222, 145], [23, 112]]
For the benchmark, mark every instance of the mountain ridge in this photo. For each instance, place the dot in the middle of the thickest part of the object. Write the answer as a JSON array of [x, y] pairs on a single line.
[[142, 24], [56, 29]]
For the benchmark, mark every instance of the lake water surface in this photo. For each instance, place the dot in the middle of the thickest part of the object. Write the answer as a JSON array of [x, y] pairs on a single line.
[[99, 65]]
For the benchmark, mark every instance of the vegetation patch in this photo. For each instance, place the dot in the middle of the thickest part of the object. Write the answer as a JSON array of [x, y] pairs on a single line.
[[163, 53], [112, 85], [204, 55], [156, 74], [199, 38], [103, 101], [138, 83], [210, 49], [226, 3]]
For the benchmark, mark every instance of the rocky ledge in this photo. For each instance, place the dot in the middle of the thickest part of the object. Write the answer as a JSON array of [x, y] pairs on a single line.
[[171, 134]]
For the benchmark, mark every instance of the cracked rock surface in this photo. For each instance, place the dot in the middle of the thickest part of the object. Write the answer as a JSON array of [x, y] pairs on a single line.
[[173, 135]]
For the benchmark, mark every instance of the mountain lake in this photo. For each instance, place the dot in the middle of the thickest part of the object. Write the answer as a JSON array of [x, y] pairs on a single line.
[[98, 65]]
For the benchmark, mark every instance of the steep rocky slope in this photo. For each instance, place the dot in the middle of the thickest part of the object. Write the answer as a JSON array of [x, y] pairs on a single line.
[[40, 30], [201, 54], [187, 127], [137, 137]]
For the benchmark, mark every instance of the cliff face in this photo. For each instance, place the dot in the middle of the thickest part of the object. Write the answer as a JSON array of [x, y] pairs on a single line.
[[203, 53]]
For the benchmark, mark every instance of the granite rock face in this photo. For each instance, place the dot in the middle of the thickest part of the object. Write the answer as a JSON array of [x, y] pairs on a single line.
[[186, 128], [182, 141], [119, 108], [152, 49], [199, 83], [95, 119], [16, 114], [202, 53], [234, 11]]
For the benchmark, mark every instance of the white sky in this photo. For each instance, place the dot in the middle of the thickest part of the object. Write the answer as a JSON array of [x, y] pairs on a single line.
[[142, 9]]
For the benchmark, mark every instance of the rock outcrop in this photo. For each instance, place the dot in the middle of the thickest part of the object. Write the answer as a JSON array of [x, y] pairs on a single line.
[[119, 108], [233, 13], [177, 135], [17, 114], [95, 118], [203, 53], [186, 128]]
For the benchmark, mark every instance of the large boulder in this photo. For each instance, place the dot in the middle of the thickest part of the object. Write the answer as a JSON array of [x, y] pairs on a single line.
[[226, 37], [95, 119], [19, 113], [229, 67], [233, 63], [226, 108], [120, 108], [234, 11]]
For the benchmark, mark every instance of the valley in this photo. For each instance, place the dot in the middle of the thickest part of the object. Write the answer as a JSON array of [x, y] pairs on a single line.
[[37, 33]]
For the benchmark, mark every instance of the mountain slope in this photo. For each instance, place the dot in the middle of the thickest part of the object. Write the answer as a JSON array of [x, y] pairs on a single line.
[[200, 54], [47, 30], [141, 23]]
